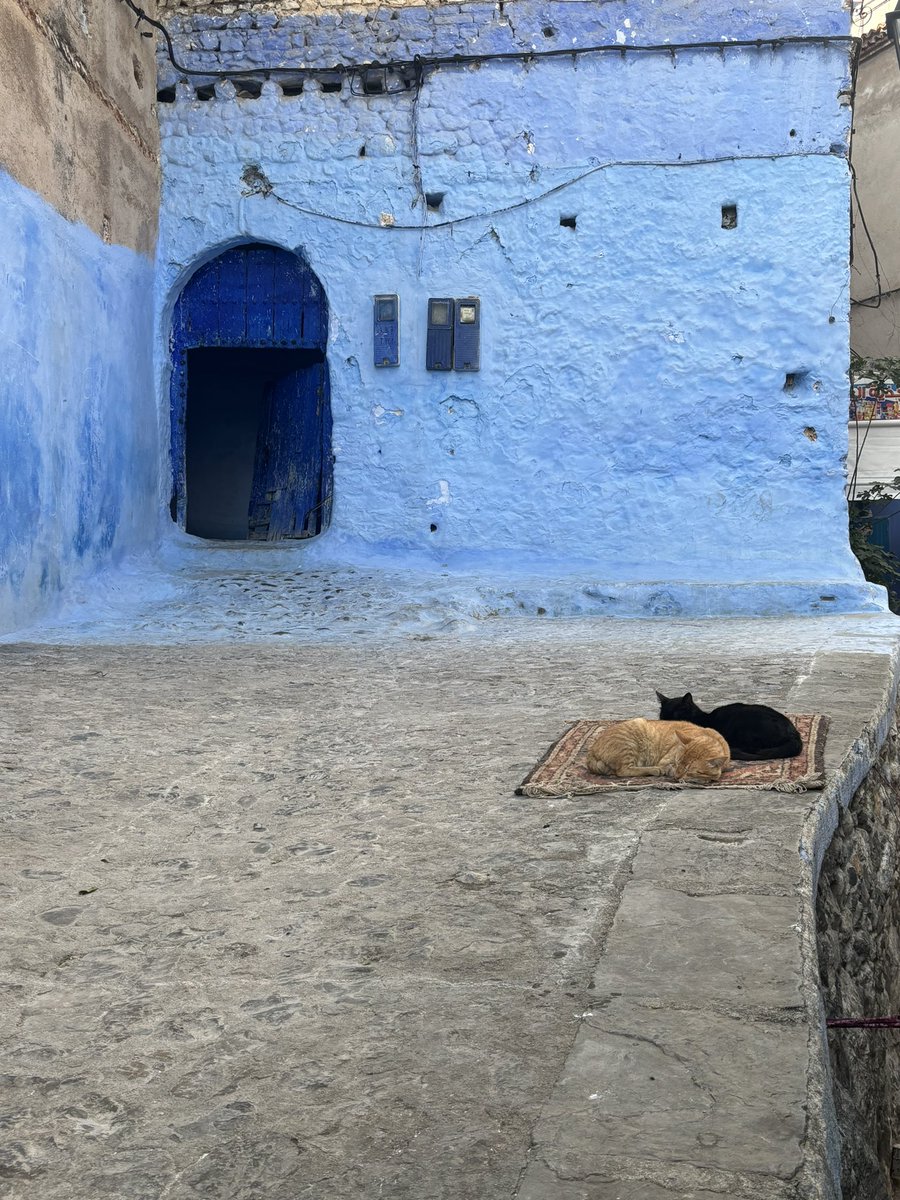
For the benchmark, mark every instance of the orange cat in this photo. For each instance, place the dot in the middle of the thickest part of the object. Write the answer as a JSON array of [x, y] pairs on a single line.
[[671, 749]]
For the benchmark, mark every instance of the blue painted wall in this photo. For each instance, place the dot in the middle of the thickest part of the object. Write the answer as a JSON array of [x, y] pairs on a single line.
[[630, 421], [79, 431]]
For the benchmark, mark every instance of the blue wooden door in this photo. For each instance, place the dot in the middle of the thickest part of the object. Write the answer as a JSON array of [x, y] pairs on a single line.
[[289, 497], [258, 296]]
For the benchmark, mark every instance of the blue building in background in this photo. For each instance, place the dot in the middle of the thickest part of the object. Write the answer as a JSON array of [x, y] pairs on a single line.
[[647, 205], [525, 290]]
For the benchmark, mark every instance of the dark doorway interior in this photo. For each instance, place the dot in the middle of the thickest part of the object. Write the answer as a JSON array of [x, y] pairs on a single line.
[[228, 425]]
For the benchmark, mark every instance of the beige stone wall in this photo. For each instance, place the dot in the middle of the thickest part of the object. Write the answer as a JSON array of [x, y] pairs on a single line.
[[77, 116], [875, 331]]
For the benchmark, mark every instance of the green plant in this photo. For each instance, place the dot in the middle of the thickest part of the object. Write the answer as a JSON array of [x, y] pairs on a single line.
[[879, 565]]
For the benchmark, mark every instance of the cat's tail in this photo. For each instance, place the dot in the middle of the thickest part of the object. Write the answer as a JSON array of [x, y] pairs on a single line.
[[789, 748], [597, 766]]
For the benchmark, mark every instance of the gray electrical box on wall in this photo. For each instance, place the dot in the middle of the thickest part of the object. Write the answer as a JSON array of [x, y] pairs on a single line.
[[387, 331], [467, 335], [439, 342]]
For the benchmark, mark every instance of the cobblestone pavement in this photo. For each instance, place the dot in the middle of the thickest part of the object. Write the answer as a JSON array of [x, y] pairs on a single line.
[[193, 592], [277, 928]]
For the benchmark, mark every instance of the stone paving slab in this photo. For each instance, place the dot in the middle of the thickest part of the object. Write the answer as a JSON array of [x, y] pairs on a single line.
[[753, 856], [705, 951], [659, 1081], [276, 925]]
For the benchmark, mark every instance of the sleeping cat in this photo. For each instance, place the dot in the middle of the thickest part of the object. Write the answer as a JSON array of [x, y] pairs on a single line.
[[753, 731], [670, 749]]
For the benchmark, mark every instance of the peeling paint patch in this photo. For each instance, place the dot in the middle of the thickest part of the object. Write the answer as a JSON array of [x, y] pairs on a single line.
[[379, 412], [443, 496]]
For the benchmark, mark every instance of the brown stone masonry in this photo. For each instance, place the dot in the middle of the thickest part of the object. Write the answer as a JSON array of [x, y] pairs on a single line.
[[859, 959]]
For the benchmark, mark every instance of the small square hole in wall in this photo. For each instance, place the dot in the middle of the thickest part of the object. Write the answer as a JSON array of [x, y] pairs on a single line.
[[331, 83], [435, 201], [795, 380], [374, 83], [206, 92], [729, 216], [292, 89], [568, 222], [165, 96], [247, 89]]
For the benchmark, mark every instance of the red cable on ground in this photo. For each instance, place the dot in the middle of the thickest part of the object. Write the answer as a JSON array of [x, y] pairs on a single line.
[[863, 1022]]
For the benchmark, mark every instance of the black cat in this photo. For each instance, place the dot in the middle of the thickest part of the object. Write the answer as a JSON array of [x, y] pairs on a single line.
[[753, 731]]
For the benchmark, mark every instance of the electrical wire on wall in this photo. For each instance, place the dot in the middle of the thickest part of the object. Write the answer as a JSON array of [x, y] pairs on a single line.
[[875, 300], [419, 64], [256, 183], [414, 71], [412, 74]]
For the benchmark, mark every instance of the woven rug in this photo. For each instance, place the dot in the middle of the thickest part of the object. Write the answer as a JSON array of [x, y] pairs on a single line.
[[562, 770]]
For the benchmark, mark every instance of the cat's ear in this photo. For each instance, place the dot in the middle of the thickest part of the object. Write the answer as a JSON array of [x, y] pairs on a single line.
[[660, 697], [717, 763], [683, 737], [688, 698]]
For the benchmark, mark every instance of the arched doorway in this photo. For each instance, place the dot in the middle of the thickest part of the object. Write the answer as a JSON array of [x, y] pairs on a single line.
[[251, 411]]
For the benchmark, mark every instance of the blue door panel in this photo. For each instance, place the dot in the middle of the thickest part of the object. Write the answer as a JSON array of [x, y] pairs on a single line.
[[201, 311], [289, 476], [287, 303], [311, 320], [178, 391], [259, 296], [323, 410], [233, 299], [260, 293]]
